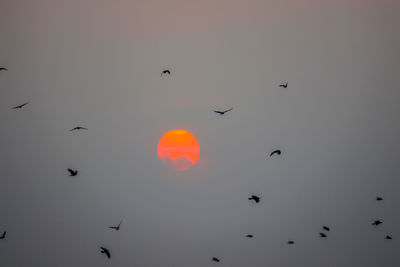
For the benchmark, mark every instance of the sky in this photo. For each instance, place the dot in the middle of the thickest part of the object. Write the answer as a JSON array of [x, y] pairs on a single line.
[[97, 63]]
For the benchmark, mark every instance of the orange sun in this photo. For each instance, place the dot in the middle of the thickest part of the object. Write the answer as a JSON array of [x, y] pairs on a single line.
[[178, 148]]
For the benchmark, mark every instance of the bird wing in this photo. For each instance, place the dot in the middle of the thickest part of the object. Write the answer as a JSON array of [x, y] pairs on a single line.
[[107, 253], [71, 171], [217, 111], [275, 152], [119, 224], [228, 110], [112, 227], [84, 128], [20, 106]]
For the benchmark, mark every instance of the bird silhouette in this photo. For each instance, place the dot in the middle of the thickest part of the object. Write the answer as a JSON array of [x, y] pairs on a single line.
[[78, 128], [322, 235], [215, 259], [388, 237], [290, 242], [105, 251], [20, 106], [377, 222], [73, 172], [116, 227], [249, 236], [326, 228], [278, 152], [284, 85], [222, 112], [379, 199], [2, 68], [3, 235], [255, 198], [165, 72]]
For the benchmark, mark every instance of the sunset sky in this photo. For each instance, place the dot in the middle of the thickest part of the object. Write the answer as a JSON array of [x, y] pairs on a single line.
[[97, 63]]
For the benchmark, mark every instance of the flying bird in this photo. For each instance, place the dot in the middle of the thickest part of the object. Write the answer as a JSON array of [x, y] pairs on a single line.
[[290, 242], [326, 228], [284, 85], [3, 235], [215, 259], [78, 128], [20, 106], [255, 198], [105, 251], [165, 72], [379, 198], [116, 227], [222, 112], [377, 222], [73, 172], [249, 236], [388, 237], [322, 235], [2, 68], [278, 152]]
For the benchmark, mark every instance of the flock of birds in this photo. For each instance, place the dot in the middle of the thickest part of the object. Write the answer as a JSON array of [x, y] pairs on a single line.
[[255, 198]]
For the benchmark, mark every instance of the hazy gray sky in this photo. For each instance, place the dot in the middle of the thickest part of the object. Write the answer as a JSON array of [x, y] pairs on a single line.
[[97, 63]]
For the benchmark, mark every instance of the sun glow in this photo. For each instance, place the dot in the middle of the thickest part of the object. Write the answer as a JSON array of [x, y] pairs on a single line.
[[178, 148]]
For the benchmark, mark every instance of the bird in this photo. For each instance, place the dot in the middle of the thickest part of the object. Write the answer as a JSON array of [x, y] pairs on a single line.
[[326, 228], [322, 235], [20, 106], [116, 227], [78, 128], [278, 152], [255, 198], [3, 235], [165, 72], [388, 237], [215, 259], [249, 236], [222, 112], [379, 198], [284, 85], [290, 242], [377, 222], [106, 251], [2, 68], [73, 172]]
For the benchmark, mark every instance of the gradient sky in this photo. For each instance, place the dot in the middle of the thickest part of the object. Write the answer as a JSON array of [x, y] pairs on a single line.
[[97, 63]]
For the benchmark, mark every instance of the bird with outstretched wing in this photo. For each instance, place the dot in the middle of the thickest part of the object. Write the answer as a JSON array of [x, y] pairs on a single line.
[[105, 251], [277, 152], [3, 235], [73, 172], [116, 227], [284, 85], [78, 128], [223, 111], [20, 106]]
